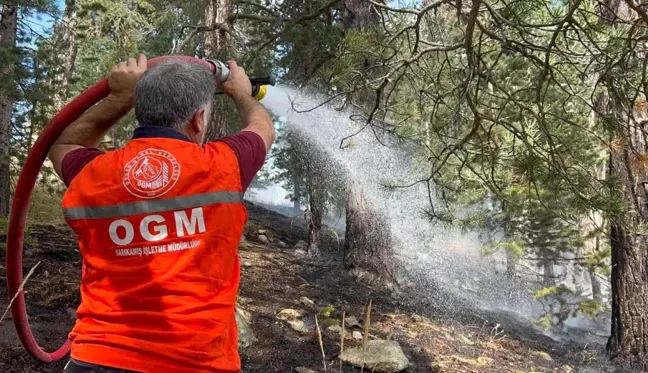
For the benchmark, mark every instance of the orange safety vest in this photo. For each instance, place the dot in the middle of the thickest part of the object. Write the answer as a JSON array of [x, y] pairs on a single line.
[[159, 222]]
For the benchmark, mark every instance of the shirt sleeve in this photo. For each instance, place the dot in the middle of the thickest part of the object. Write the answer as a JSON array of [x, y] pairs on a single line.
[[75, 160], [250, 151]]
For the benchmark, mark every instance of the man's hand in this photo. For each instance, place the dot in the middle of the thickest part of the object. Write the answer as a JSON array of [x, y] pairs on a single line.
[[254, 116], [124, 76], [238, 83], [90, 128]]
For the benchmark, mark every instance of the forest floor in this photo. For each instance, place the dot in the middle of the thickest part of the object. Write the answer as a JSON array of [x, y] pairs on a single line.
[[275, 278]]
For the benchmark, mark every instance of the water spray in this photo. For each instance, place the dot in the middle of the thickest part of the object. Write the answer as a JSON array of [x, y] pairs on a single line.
[[29, 175]]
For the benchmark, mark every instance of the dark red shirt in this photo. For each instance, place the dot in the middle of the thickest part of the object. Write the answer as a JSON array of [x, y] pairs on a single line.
[[248, 146]]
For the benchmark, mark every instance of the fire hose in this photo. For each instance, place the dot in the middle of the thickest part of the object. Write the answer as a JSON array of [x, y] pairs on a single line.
[[27, 180]]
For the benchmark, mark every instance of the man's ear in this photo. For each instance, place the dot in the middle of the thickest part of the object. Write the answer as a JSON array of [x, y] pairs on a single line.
[[198, 122]]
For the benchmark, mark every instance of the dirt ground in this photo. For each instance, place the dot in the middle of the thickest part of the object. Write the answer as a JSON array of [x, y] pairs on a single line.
[[273, 279]]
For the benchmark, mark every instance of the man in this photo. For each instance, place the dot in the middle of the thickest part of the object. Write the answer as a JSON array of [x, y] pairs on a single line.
[[159, 220]]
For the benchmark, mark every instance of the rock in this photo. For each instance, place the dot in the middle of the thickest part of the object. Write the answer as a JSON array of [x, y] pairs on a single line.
[[301, 245], [304, 370], [357, 335], [293, 318], [300, 252], [245, 263], [282, 244], [542, 355], [335, 329], [246, 336], [379, 356], [289, 314], [265, 232], [263, 239], [352, 322], [299, 326], [306, 302]]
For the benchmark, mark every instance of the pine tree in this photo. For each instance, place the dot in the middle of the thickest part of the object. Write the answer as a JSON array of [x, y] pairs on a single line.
[[8, 57]]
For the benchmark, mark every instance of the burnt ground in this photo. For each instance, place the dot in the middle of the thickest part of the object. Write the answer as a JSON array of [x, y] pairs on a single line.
[[274, 278]]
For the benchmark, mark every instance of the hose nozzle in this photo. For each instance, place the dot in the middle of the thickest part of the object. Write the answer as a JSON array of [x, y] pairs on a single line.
[[259, 85], [221, 70]]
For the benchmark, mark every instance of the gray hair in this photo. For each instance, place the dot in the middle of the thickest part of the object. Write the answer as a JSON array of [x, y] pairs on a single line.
[[169, 93]]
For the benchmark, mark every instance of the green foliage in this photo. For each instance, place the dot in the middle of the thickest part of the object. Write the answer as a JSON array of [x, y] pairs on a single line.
[[545, 321], [513, 247], [327, 311], [4, 223], [590, 308], [45, 206], [598, 260], [548, 292]]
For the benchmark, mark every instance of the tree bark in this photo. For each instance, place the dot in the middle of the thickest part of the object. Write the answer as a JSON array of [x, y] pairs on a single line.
[[314, 228], [35, 116], [218, 45], [596, 286], [359, 13], [368, 240], [314, 220], [218, 41], [629, 334], [65, 55], [297, 193], [548, 270], [629, 278], [628, 240], [8, 30], [511, 264]]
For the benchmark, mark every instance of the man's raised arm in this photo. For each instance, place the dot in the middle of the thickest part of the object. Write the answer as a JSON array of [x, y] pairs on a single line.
[[254, 117], [92, 126]]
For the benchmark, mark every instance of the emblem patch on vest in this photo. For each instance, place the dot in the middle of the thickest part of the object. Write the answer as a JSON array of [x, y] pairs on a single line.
[[151, 173]]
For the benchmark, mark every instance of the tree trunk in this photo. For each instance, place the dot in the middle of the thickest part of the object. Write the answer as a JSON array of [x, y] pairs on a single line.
[[591, 227], [548, 270], [368, 240], [218, 41], [359, 13], [629, 279], [511, 263], [297, 193], [218, 45], [314, 219], [65, 55], [596, 286], [35, 116], [629, 334], [314, 228], [8, 30]]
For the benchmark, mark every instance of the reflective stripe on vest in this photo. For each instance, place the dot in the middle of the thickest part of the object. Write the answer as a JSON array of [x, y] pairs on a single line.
[[152, 206]]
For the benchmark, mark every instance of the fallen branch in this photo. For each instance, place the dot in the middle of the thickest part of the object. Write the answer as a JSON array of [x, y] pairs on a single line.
[[342, 338], [365, 337], [319, 337], [20, 289]]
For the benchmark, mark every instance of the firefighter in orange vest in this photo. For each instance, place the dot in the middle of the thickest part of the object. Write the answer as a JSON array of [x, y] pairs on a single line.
[[159, 220]]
